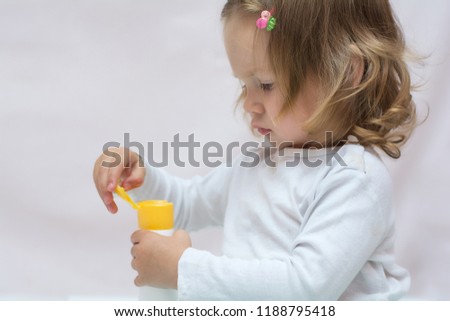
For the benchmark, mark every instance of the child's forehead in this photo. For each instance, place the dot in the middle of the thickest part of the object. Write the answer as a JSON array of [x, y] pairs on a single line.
[[245, 67], [246, 48]]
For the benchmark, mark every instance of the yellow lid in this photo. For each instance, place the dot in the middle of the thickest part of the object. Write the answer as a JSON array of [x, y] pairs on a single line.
[[155, 215]]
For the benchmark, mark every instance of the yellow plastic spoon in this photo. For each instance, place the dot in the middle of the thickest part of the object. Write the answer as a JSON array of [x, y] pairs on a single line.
[[124, 195]]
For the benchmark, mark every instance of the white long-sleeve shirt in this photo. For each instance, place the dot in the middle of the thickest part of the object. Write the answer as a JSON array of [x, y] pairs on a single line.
[[320, 230]]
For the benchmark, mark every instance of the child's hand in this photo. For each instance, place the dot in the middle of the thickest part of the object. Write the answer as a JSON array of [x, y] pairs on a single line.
[[113, 165], [155, 257]]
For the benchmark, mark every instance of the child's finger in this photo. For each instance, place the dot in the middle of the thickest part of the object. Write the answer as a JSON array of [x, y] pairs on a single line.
[[112, 208], [114, 174], [134, 179], [106, 196], [137, 236], [100, 176]]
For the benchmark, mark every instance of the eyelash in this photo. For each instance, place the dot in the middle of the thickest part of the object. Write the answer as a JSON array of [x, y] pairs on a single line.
[[266, 87], [263, 87]]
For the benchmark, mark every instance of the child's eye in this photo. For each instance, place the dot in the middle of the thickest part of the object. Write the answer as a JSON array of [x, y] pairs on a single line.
[[266, 87]]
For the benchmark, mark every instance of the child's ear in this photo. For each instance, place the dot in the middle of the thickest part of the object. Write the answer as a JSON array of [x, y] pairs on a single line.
[[357, 68]]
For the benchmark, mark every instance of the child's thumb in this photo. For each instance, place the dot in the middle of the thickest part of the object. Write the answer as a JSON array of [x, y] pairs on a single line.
[[183, 237]]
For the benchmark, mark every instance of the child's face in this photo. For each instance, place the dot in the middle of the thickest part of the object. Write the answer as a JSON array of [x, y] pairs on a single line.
[[263, 100]]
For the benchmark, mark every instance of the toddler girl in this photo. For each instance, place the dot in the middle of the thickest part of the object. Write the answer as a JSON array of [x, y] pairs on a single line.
[[326, 83]]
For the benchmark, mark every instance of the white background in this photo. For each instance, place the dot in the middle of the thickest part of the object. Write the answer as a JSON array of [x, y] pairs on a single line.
[[77, 74]]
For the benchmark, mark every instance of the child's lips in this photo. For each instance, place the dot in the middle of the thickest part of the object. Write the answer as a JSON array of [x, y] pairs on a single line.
[[264, 131]]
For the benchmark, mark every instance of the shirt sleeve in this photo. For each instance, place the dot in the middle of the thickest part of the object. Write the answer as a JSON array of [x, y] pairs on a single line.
[[198, 202], [345, 223]]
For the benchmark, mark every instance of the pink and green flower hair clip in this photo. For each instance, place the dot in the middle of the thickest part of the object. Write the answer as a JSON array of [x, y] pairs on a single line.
[[266, 21]]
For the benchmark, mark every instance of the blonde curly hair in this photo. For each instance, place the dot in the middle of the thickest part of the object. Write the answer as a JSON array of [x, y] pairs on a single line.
[[324, 38]]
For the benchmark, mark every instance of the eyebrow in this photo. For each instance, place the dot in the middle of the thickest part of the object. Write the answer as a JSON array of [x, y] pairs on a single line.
[[244, 75], [259, 77]]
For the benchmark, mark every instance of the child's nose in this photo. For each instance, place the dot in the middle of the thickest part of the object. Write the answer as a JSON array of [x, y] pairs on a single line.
[[252, 104]]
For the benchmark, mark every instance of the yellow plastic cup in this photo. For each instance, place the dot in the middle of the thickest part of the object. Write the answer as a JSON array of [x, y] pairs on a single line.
[[155, 215]]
